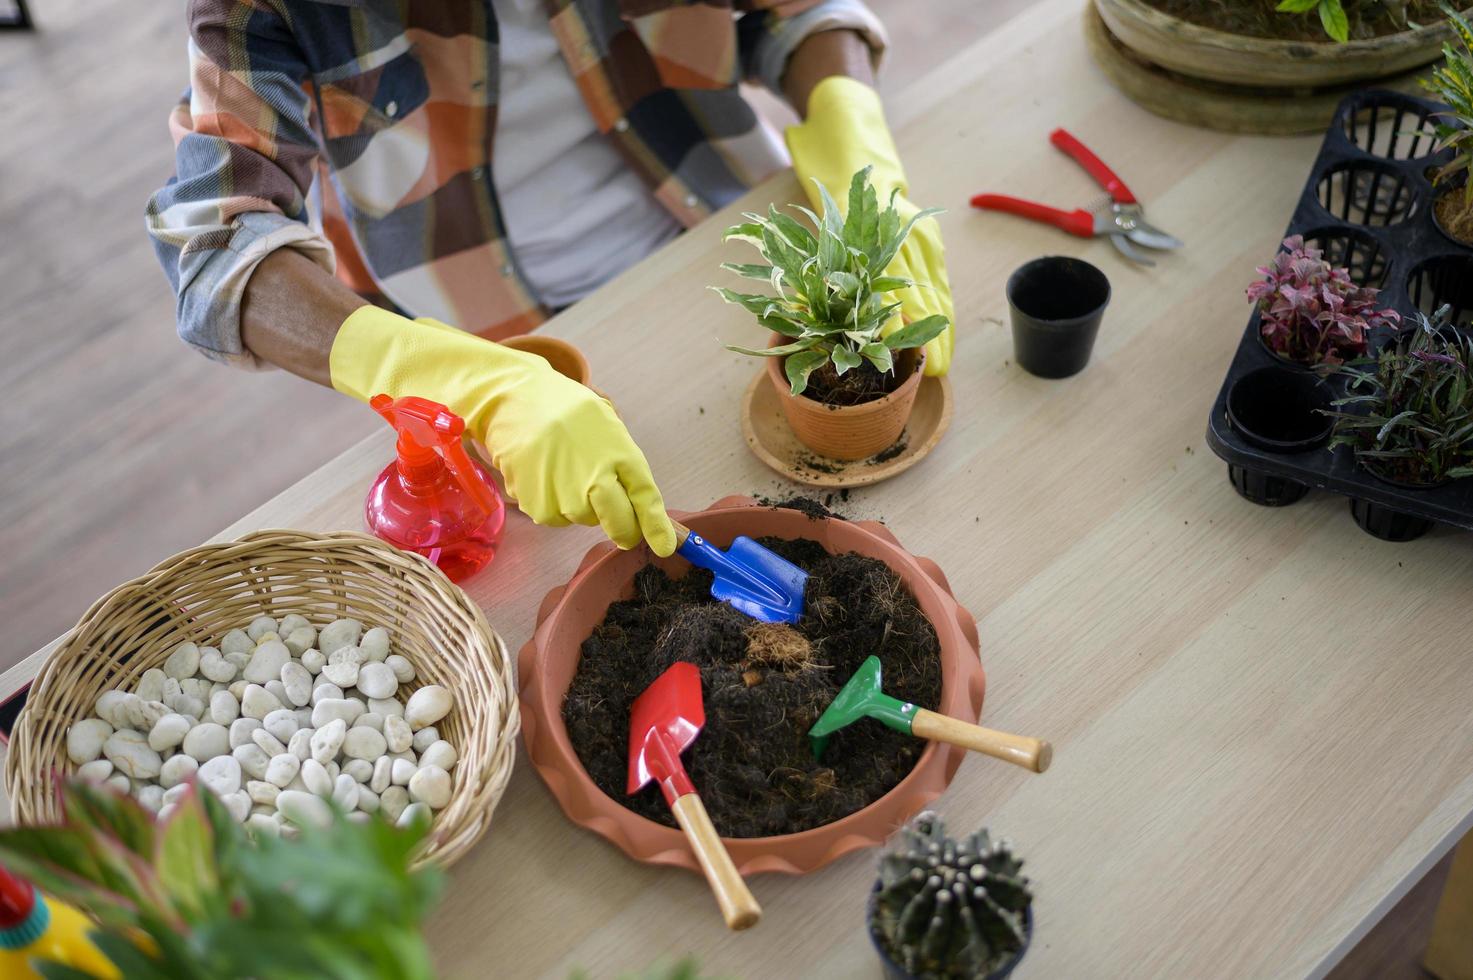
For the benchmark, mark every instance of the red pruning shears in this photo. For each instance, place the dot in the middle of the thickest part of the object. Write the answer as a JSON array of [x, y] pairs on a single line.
[[1120, 215]]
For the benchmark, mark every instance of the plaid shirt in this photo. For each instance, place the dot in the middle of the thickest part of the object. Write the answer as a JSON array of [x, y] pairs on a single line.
[[391, 106]]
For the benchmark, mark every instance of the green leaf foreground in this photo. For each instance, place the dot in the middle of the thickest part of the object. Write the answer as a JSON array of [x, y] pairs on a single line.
[[831, 296], [1452, 83]]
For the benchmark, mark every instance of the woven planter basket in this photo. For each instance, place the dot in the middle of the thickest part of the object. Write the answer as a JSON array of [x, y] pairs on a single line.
[[201, 594]]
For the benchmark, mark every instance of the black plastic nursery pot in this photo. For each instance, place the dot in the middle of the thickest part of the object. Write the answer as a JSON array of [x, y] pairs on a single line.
[[1368, 204], [1057, 304], [894, 971]]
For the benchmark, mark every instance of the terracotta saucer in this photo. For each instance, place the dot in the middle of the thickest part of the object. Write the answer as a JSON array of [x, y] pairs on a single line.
[[771, 439]]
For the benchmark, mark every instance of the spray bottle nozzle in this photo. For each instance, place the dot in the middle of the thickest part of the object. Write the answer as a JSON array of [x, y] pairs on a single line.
[[428, 430]]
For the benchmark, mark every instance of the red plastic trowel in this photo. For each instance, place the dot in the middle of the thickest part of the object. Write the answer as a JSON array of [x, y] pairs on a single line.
[[663, 723]]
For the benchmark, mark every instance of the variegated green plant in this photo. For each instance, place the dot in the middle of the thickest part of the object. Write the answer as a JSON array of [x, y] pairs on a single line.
[[190, 897], [832, 295], [1452, 83]]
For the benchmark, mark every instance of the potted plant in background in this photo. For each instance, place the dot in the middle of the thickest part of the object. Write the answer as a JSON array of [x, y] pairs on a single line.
[[1452, 83], [1408, 415], [192, 897], [845, 379], [947, 909], [1311, 313]]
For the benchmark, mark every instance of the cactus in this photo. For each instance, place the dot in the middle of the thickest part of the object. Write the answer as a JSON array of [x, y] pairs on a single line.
[[947, 908]]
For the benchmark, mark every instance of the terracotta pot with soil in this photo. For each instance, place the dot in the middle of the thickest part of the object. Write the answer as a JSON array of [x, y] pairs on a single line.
[[851, 417], [624, 616]]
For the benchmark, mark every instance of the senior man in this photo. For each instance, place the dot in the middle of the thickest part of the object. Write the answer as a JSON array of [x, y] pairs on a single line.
[[354, 176]]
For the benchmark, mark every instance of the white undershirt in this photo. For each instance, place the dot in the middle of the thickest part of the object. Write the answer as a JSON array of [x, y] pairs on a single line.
[[575, 214]]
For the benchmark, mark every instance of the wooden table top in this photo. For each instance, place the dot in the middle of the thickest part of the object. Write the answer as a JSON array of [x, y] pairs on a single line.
[[1260, 717]]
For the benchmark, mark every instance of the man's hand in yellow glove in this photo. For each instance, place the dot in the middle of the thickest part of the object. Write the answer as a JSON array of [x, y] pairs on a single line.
[[845, 131], [565, 456]]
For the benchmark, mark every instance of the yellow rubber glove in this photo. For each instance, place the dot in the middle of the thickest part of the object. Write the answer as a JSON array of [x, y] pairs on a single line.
[[565, 456], [845, 132]]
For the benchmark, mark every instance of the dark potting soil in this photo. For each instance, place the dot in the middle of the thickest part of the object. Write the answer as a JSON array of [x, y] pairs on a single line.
[[894, 449], [806, 505], [1258, 18], [764, 686], [1455, 215], [854, 387]]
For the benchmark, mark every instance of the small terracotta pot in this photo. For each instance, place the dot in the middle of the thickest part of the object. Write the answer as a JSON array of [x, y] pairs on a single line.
[[565, 359], [569, 613], [848, 431]]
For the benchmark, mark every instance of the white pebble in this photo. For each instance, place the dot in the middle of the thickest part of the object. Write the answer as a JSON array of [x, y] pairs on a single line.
[[339, 633], [345, 791], [301, 743], [431, 785], [291, 621], [277, 690], [377, 680], [238, 805], [173, 793], [240, 731], [282, 769], [380, 779], [412, 814], [393, 800], [297, 683], [386, 707], [326, 690], [345, 710], [238, 660], [207, 740], [267, 742], [129, 753], [236, 641], [300, 640], [260, 626], [238, 689], [151, 797], [151, 685], [197, 688], [328, 739], [149, 713], [314, 661], [257, 702], [214, 666], [221, 774], [184, 704], [224, 709], [369, 719], [266, 662], [344, 675], [263, 825], [253, 761], [402, 668], [426, 737], [176, 769], [441, 754], [304, 717], [375, 644], [427, 705], [108, 705], [304, 809], [316, 778], [282, 723], [262, 792], [332, 769], [397, 734], [84, 739], [96, 771], [401, 772], [364, 743], [119, 782], [347, 655], [367, 800], [183, 662], [168, 732]]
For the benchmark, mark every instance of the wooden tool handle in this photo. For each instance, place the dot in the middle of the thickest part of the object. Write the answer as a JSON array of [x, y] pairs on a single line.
[[738, 907], [1030, 753], [681, 532]]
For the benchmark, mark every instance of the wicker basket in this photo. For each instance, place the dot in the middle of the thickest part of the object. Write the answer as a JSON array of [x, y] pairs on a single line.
[[201, 594]]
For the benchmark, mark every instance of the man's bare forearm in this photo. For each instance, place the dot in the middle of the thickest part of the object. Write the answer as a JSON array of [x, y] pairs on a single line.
[[820, 56], [291, 313]]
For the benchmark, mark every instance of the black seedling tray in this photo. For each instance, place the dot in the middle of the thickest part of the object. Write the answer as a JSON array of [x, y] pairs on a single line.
[[1368, 205]]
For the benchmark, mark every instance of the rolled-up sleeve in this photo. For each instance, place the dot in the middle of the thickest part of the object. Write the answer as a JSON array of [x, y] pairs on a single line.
[[772, 30], [245, 153]]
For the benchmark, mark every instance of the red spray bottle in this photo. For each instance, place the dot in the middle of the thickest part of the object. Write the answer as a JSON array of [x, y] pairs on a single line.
[[434, 499]]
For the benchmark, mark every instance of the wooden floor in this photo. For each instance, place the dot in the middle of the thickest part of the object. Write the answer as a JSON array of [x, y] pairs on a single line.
[[120, 446]]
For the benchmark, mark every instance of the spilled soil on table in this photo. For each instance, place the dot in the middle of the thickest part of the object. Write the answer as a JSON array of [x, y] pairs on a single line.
[[764, 686]]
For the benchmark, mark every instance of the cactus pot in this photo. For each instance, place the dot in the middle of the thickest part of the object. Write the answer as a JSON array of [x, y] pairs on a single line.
[[894, 971], [849, 432], [568, 615]]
